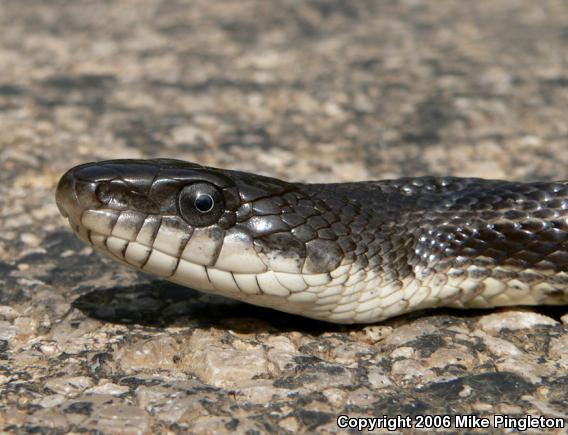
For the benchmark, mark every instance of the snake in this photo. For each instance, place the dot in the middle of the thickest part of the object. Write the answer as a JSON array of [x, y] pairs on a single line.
[[349, 252]]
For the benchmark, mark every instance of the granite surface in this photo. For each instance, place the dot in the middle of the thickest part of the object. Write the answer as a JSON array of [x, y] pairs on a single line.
[[317, 91]]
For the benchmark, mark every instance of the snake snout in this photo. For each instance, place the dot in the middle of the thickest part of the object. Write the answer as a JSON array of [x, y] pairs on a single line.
[[76, 193], [65, 192]]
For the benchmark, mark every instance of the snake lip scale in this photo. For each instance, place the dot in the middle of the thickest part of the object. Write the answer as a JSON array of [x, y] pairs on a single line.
[[356, 252]]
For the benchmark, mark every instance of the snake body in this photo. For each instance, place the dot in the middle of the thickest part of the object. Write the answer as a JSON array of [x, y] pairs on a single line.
[[345, 252]]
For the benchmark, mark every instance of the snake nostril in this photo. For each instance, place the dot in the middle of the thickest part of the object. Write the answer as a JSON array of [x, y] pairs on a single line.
[[104, 192], [114, 194]]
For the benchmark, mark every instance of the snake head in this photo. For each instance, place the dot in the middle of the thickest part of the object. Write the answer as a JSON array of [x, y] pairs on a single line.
[[242, 235]]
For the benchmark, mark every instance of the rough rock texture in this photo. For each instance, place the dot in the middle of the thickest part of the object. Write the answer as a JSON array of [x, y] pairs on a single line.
[[322, 90]]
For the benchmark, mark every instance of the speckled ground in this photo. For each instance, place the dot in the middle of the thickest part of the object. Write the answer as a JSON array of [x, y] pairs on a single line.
[[321, 90]]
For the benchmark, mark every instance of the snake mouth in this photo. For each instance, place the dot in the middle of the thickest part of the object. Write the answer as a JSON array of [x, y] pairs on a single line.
[[154, 246], [141, 248]]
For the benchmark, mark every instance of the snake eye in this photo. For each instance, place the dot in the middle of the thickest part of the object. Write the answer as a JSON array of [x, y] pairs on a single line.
[[200, 204]]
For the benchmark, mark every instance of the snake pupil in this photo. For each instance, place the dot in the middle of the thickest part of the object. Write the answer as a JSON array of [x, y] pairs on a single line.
[[204, 203], [200, 204]]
